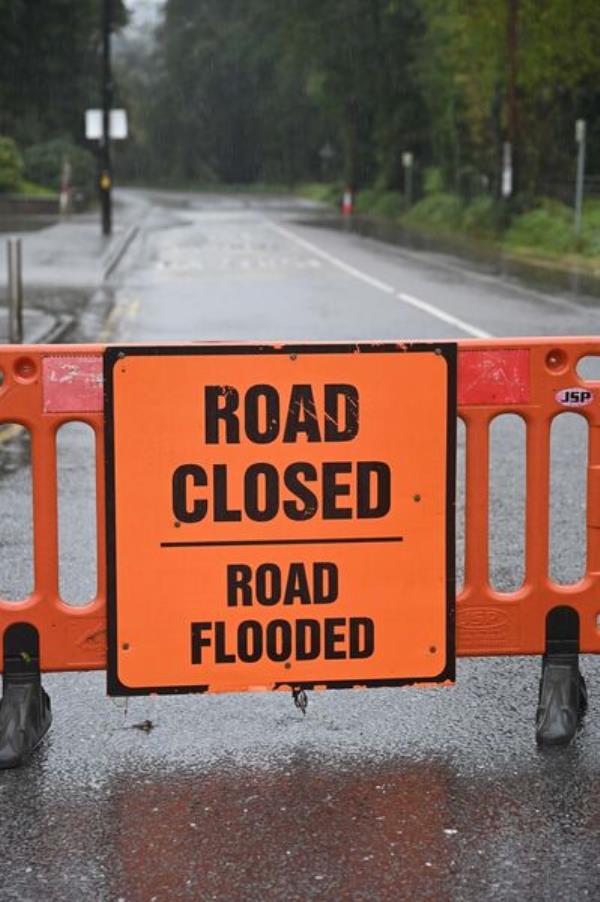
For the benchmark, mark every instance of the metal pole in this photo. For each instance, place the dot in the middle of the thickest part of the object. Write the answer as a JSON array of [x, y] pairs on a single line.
[[407, 162], [15, 292], [107, 90], [580, 138]]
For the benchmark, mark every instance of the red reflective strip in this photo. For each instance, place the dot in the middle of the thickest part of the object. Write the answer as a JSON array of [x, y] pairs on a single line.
[[493, 376], [73, 384]]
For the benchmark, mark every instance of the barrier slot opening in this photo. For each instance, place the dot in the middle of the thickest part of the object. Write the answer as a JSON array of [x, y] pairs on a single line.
[[507, 502], [588, 368], [76, 475], [16, 543], [461, 445], [568, 487]]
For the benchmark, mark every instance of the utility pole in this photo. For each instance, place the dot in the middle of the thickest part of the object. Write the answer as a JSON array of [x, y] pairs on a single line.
[[107, 91], [511, 153], [580, 139]]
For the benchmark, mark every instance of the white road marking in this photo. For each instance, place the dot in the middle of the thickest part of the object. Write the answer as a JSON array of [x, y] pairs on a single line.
[[126, 309], [423, 306], [475, 331], [335, 261]]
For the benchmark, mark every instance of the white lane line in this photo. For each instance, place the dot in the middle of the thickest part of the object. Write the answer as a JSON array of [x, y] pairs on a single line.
[[423, 306], [475, 331], [335, 261]]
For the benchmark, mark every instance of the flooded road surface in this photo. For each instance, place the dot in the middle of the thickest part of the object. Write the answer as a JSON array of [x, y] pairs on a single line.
[[254, 268], [433, 793], [455, 251], [581, 285], [379, 794]]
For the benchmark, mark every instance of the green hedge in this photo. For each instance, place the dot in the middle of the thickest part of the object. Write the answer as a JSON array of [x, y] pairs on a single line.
[[11, 166], [43, 164], [548, 228], [439, 211], [323, 192], [380, 203]]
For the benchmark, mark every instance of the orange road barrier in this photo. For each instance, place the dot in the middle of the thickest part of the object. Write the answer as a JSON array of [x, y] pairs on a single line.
[[44, 387], [537, 380]]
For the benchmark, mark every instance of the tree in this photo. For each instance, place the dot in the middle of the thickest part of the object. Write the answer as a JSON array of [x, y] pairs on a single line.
[[49, 66], [243, 90], [513, 70]]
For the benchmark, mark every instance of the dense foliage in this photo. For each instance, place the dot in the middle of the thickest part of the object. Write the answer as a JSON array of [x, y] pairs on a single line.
[[49, 70], [247, 90], [11, 165], [243, 91], [44, 163]]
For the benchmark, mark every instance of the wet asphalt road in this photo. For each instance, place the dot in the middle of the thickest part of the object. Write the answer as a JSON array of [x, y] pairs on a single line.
[[386, 794]]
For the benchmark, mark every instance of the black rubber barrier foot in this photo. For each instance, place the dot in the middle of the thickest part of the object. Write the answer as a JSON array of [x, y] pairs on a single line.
[[563, 700], [25, 717], [25, 713]]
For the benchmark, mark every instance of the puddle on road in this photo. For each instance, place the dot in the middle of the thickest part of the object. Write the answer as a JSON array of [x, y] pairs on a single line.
[[57, 300]]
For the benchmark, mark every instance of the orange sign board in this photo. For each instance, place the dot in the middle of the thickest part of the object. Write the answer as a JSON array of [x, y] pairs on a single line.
[[279, 516]]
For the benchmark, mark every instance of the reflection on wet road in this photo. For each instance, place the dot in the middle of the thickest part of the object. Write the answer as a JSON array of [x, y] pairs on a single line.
[[386, 794]]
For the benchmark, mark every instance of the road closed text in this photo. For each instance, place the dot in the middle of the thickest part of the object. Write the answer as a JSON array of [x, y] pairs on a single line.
[[299, 491], [331, 490]]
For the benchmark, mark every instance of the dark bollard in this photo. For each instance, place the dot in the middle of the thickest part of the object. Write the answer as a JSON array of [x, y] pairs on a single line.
[[25, 714], [563, 694], [15, 291]]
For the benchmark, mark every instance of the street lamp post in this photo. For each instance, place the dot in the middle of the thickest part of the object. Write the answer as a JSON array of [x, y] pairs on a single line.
[[107, 90]]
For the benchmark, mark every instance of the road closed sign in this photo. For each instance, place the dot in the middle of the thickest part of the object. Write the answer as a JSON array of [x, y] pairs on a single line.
[[279, 516]]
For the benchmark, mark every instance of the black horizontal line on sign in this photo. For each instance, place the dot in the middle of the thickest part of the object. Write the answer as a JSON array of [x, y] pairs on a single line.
[[282, 542]]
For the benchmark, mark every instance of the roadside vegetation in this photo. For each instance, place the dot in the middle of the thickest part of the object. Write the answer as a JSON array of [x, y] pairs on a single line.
[[49, 75], [545, 231], [259, 91], [37, 172]]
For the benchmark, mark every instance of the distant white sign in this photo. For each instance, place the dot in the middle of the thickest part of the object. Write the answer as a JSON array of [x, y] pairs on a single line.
[[117, 125]]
